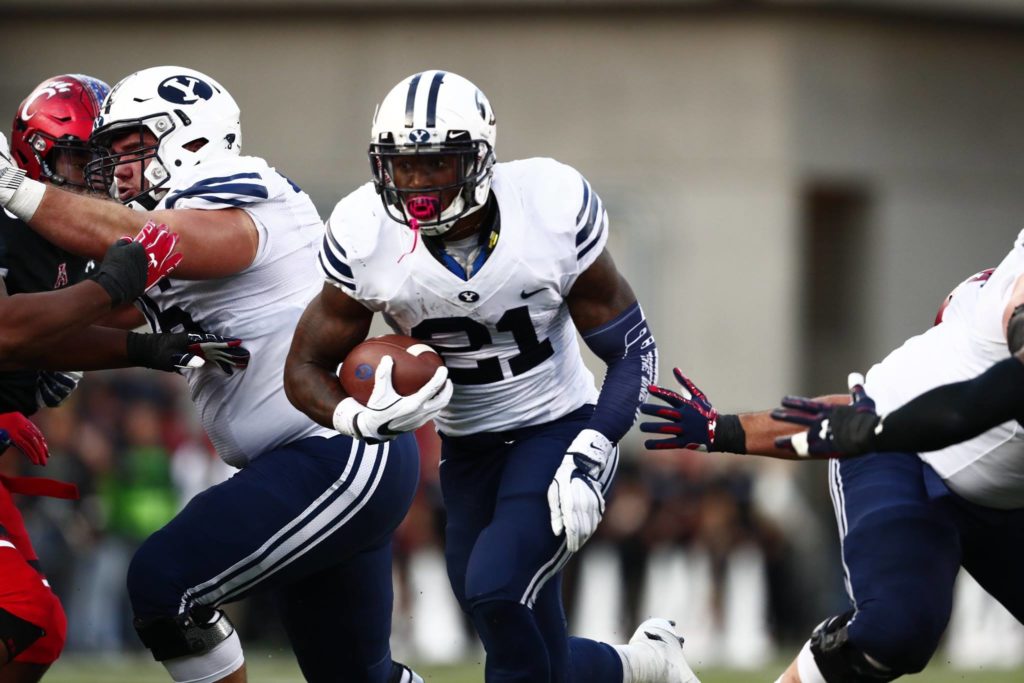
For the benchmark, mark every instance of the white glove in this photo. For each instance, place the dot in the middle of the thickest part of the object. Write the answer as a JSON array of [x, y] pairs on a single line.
[[54, 386], [387, 413], [574, 495], [18, 194]]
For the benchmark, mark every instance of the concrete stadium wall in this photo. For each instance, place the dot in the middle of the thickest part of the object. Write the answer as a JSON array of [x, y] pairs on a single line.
[[700, 130]]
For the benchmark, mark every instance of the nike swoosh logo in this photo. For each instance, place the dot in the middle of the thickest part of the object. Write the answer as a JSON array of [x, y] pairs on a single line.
[[526, 295], [457, 134]]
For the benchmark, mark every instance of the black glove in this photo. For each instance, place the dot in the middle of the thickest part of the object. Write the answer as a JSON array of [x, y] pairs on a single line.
[[123, 271], [170, 352]]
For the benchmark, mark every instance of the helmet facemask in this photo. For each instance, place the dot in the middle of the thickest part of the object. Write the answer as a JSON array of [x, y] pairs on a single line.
[[56, 158], [433, 114], [182, 118], [434, 208], [50, 133], [100, 172]]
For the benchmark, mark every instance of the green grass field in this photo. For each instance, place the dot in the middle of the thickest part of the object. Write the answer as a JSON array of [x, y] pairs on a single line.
[[280, 668]]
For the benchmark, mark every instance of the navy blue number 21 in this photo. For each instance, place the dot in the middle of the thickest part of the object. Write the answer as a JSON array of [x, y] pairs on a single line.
[[532, 351]]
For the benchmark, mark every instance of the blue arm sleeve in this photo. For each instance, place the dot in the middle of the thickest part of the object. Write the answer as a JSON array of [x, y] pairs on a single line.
[[627, 346]]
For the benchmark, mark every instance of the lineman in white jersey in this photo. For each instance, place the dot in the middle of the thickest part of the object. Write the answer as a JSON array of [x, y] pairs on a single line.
[[908, 519], [310, 514], [496, 266]]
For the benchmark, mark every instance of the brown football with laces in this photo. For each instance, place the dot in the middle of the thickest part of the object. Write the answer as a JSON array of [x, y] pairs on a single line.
[[415, 363]]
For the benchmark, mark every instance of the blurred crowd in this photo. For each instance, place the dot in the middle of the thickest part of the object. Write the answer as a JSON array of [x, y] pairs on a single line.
[[740, 551]]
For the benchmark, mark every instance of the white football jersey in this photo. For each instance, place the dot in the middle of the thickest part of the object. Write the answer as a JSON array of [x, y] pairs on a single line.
[[505, 334], [988, 469], [246, 413]]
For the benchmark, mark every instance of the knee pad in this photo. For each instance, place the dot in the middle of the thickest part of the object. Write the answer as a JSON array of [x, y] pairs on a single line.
[[835, 659], [194, 633]]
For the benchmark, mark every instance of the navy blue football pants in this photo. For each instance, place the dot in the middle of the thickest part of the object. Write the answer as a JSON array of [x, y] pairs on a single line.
[[904, 537], [310, 521], [505, 564]]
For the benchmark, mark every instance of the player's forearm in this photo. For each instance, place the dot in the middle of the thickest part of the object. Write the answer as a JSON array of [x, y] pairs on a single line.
[[90, 348], [31, 322], [310, 382], [760, 430], [313, 390], [953, 413], [83, 225]]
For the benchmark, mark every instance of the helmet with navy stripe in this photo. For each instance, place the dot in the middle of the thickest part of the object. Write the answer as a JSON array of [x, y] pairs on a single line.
[[191, 116], [50, 134], [436, 113]]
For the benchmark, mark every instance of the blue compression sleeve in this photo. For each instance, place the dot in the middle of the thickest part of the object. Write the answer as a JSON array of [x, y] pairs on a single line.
[[626, 344]]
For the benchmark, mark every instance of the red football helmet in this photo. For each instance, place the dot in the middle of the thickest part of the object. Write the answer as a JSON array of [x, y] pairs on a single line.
[[57, 117]]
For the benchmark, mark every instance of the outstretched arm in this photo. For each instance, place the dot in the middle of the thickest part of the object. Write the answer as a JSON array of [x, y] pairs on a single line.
[[691, 422], [217, 243]]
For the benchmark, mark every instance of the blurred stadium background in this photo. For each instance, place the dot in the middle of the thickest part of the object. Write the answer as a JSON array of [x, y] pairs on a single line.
[[793, 185]]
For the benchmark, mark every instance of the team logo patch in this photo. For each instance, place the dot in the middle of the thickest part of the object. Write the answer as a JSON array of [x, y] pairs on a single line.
[[363, 371], [184, 89], [62, 276], [419, 136], [469, 297]]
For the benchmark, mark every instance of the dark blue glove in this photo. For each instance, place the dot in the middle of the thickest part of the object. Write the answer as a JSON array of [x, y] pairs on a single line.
[[832, 430], [690, 421]]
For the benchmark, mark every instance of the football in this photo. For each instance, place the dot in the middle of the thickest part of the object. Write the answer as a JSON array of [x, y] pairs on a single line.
[[415, 364]]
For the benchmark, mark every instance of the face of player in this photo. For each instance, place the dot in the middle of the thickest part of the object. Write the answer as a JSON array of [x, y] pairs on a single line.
[[70, 165], [132, 149], [427, 172]]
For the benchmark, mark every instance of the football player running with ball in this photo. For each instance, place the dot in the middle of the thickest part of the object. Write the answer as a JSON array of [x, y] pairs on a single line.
[[908, 519], [309, 515], [496, 266]]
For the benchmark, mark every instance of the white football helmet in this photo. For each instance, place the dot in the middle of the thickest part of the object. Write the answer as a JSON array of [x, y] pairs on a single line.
[[191, 115], [434, 113]]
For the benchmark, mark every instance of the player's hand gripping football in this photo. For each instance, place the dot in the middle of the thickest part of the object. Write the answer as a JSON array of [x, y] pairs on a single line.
[[17, 430], [832, 430], [387, 413], [181, 350], [689, 418], [132, 266], [574, 495]]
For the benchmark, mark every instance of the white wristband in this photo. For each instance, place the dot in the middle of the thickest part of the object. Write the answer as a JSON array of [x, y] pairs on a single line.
[[20, 198], [344, 418]]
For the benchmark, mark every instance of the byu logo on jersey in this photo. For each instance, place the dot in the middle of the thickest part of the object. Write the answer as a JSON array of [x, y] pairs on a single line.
[[184, 90], [419, 136], [468, 296]]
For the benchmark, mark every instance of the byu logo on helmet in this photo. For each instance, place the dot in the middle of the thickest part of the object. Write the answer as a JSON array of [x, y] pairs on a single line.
[[184, 90], [419, 136]]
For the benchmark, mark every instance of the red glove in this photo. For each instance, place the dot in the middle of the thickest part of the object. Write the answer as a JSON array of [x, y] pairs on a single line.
[[16, 429], [159, 243]]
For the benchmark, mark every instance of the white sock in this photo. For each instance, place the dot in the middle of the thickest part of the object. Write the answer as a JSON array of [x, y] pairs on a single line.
[[640, 663], [806, 667]]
